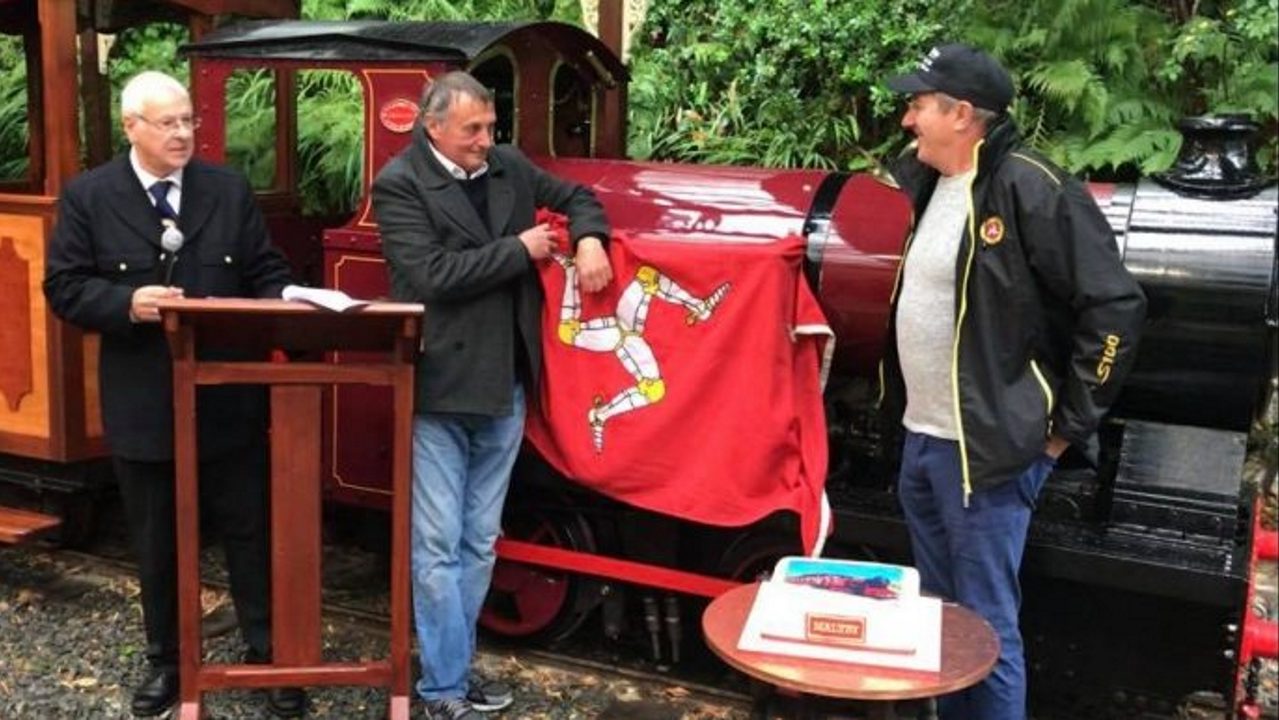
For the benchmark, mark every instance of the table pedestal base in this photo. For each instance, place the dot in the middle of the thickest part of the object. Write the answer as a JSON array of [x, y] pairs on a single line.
[[768, 702]]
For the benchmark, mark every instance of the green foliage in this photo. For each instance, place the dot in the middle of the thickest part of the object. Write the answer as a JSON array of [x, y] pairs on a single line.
[[1226, 60], [13, 109], [792, 83], [1082, 68], [795, 83], [1101, 83], [251, 127], [152, 47], [330, 140]]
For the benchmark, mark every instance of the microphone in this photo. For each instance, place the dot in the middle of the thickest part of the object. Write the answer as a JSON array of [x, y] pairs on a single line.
[[171, 240]]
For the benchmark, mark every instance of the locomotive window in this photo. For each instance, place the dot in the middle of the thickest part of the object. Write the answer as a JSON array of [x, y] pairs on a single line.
[[497, 73], [251, 126], [572, 108], [330, 155]]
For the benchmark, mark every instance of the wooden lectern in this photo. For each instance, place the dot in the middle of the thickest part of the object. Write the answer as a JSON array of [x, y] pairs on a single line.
[[390, 330]]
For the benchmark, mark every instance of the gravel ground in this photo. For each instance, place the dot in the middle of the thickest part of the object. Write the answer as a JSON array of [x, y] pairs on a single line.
[[71, 644], [71, 647]]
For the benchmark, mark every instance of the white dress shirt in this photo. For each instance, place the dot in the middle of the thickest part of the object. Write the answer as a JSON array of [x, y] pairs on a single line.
[[147, 179]]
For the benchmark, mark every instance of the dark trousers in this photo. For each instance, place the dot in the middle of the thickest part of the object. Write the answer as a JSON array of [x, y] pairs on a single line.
[[971, 554], [233, 497]]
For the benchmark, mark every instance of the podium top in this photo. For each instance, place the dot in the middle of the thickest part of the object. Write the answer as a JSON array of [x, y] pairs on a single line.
[[251, 324]]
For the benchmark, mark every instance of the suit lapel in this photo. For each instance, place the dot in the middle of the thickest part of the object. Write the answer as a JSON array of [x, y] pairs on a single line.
[[454, 203], [131, 204], [199, 199], [501, 196]]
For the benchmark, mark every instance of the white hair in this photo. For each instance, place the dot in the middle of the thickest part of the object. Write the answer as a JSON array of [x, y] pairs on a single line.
[[148, 86]]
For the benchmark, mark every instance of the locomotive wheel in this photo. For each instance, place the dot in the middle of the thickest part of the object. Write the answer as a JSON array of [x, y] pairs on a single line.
[[534, 603], [752, 556]]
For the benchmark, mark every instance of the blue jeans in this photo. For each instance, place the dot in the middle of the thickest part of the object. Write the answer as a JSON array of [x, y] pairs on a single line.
[[461, 469], [972, 555]]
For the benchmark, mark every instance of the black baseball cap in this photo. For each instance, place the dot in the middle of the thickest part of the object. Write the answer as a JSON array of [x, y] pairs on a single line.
[[962, 72]]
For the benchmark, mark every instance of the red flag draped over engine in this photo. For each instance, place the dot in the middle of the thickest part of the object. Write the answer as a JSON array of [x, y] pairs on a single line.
[[691, 385]]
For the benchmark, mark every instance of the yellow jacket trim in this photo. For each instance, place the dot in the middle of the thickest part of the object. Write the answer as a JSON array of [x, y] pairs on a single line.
[[1037, 164], [1048, 393], [959, 324]]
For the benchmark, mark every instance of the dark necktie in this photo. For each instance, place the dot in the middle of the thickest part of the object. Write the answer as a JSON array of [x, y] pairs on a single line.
[[160, 192]]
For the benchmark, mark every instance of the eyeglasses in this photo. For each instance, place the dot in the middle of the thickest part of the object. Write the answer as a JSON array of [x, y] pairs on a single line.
[[172, 125]]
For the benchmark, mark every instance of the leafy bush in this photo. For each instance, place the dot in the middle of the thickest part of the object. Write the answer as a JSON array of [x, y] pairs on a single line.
[[795, 83], [330, 140], [1227, 61], [251, 126], [1102, 83], [792, 83]]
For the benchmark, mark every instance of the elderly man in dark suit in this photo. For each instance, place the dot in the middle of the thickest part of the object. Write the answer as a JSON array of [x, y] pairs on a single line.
[[457, 222], [112, 258]]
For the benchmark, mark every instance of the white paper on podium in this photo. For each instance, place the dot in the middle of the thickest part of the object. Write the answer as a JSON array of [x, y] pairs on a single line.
[[903, 633], [334, 300]]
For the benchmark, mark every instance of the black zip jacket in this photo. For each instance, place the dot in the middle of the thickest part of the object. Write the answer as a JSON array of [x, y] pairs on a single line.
[[1046, 316]]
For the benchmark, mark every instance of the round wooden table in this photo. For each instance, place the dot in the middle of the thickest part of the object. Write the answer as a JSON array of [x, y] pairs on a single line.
[[969, 649]]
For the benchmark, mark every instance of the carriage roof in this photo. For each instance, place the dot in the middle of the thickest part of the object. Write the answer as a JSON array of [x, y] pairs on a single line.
[[387, 41]]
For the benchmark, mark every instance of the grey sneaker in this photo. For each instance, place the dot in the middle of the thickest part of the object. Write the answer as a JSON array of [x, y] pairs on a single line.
[[489, 695], [452, 709]]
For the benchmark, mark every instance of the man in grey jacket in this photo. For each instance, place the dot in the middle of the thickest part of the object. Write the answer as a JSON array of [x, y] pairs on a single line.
[[458, 232]]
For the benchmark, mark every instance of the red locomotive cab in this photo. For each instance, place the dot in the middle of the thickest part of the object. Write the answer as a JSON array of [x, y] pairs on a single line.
[[558, 92]]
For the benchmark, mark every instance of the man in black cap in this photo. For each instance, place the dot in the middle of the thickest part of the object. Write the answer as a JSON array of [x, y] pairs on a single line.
[[1014, 323]]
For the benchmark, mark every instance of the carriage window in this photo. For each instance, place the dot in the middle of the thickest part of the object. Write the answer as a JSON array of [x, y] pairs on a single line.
[[571, 110], [251, 126], [497, 73], [13, 112], [330, 141]]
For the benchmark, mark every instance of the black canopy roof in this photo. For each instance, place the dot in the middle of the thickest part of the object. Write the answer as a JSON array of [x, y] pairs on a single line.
[[383, 41]]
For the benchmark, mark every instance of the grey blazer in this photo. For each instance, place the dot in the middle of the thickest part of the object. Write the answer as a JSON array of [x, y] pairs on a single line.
[[474, 276]]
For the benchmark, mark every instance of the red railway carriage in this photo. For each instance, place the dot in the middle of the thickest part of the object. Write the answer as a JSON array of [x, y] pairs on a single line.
[[50, 429]]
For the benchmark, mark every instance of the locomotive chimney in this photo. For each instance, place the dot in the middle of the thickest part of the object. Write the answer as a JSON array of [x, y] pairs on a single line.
[[1218, 159]]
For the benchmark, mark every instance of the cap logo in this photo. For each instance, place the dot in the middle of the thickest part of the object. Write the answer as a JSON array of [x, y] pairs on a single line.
[[992, 230], [927, 63]]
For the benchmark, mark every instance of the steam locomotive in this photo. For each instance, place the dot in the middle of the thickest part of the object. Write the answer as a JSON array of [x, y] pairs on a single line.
[[1136, 569]]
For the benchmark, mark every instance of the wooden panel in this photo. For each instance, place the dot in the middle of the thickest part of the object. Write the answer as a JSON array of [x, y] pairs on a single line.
[[24, 369], [20, 525], [15, 331], [92, 398], [295, 524]]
